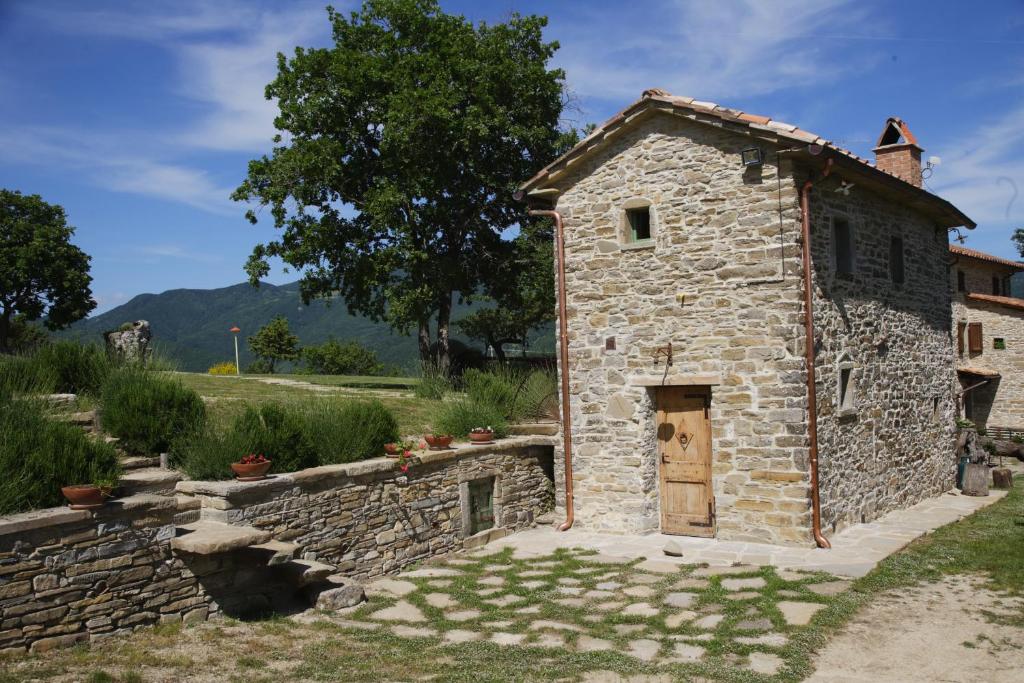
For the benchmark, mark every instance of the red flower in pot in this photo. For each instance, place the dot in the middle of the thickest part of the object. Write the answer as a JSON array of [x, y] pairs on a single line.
[[251, 468], [481, 435]]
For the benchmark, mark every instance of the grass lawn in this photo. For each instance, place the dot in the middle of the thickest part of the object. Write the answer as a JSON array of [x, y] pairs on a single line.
[[227, 395], [553, 623]]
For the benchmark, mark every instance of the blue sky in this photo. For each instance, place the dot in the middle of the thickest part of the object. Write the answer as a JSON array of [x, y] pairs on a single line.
[[139, 117]]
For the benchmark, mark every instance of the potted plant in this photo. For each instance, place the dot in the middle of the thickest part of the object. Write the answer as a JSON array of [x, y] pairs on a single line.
[[404, 459], [481, 435], [395, 449], [88, 496], [438, 442], [252, 467]]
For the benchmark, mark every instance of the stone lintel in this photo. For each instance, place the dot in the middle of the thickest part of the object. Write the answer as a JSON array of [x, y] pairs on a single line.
[[675, 380]]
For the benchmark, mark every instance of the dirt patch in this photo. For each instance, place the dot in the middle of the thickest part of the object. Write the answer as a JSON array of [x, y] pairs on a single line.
[[953, 630]]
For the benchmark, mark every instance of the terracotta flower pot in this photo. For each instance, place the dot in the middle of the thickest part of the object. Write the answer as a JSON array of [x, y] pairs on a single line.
[[481, 437], [392, 449], [438, 442], [84, 496], [251, 472]]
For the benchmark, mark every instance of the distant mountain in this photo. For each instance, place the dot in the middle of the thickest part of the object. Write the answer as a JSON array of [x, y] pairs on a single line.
[[191, 326]]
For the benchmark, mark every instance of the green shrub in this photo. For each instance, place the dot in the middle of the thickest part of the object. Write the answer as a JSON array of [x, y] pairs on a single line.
[[459, 416], [294, 436], [520, 395], [147, 411], [23, 375], [207, 453], [279, 433], [39, 455], [434, 382], [76, 368], [225, 368], [259, 367], [341, 358], [349, 431]]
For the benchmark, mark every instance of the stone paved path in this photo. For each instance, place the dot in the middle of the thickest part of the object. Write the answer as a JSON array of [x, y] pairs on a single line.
[[652, 612], [855, 551]]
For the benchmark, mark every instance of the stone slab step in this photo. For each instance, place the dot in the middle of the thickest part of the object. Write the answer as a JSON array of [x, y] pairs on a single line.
[[211, 538], [149, 480], [277, 552], [138, 462], [188, 510], [305, 572], [534, 429]]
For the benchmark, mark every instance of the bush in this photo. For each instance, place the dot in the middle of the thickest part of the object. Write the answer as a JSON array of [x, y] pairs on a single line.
[[434, 382], [39, 455], [520, 395], [337, 358], [349, 431], [147, 411], [225, 368], [78, 368], [460, 416], [294, 436], [23, 375], [259, 367]]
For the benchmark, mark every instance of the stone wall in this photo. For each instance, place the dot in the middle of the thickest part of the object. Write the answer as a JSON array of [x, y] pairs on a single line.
[[368, 518], [895, 445], [74, 576], [1001, 402], [70, 576], [720, 280]]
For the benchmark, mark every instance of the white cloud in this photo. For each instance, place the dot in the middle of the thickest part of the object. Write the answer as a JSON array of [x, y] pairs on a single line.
[[727, 50], [102, 160]]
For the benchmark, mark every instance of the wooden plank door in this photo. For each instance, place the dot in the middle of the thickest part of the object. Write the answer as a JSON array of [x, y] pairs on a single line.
[[684, 450]]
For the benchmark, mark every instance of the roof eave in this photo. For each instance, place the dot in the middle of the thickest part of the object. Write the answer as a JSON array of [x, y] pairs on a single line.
[[946, 212]]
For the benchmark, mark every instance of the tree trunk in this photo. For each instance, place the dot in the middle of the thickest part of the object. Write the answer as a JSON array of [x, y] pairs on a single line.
[[499, 350], [444, 319], [5, 331], [423, 337], [976, 478]]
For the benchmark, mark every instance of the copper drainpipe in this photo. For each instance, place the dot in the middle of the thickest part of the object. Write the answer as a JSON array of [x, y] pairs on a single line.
[[812, 396], [563, 350]]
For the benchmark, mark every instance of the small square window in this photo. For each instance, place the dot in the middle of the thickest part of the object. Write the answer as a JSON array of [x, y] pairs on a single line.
[[998, 343], [896, 260], [639, 220], [842, 244]]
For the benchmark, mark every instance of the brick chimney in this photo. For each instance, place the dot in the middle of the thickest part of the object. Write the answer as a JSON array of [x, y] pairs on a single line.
[[897, 152]]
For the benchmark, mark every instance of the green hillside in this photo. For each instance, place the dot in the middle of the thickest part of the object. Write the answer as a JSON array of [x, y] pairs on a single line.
[[191, 326]]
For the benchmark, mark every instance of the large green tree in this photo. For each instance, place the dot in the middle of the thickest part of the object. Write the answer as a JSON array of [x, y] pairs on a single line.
[[523, 291], [399, 152], [275, 342], [42, 274]]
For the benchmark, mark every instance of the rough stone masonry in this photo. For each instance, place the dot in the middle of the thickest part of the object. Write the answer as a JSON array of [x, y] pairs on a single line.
[[720, 278]]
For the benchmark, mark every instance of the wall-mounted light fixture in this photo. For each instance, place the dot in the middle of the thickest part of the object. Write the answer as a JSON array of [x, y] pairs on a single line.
[[752, 156]]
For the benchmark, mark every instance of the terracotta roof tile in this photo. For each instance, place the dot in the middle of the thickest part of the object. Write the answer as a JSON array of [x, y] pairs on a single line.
[[1007, 301], [779, 128], [982, 256]]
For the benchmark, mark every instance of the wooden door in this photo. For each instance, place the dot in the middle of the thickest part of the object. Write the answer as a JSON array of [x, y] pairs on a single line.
[[684, 450]]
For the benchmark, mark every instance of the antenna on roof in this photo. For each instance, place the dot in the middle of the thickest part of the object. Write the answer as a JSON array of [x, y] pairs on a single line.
[[929, 167]]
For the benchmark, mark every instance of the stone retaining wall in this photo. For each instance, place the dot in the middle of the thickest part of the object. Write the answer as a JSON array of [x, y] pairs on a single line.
[[368, 518], [70, 576]]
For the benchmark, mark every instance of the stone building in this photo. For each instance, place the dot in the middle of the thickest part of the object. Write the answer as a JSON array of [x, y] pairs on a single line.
[[990, 339], [689, 399]]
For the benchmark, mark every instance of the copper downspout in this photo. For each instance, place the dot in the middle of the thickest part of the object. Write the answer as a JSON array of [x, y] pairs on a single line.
[[812, 396], [563, 350]]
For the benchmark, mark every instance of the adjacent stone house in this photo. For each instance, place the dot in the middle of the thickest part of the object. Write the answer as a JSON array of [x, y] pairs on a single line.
[[689, 399], [990, 339]]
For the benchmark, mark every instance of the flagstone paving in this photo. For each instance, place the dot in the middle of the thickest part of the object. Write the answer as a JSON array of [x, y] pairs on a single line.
[[652, 612]]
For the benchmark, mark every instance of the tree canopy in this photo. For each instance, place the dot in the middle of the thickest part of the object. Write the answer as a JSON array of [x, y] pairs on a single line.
[[43, 276], [275, 342], [399, 151]]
